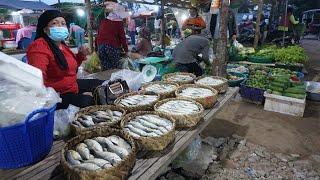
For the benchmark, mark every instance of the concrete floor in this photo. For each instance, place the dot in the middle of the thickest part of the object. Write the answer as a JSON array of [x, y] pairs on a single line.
[[277, 132]]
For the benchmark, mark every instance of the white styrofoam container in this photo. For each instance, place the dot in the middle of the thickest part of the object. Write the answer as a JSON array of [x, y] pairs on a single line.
[[284, 105]]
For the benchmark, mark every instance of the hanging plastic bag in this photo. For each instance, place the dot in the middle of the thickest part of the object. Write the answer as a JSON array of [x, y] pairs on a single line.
[[92, 65], [189, 154], [127, 63], [62, 119]]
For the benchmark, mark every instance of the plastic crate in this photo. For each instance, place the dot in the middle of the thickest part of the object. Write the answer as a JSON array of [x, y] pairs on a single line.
[[284, 105], [29, 142], [250, 94]]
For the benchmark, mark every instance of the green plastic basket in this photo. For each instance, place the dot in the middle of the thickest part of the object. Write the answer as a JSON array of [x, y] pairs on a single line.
[[233, 83]]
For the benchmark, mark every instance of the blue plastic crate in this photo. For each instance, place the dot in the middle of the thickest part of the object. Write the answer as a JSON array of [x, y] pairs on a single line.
[[251, 94], [29, 142]]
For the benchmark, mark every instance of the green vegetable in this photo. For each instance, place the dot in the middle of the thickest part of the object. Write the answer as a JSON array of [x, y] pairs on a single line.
[[290, 55], [277, 93], [298, 96], [275, 88], [295, 90]]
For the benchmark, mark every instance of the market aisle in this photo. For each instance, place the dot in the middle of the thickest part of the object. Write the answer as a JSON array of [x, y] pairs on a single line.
[[277, 132]]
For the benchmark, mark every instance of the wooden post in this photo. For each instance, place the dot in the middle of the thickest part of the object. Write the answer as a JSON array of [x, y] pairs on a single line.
[[258, 21], [89, 27], [219, 65], [163, 26]]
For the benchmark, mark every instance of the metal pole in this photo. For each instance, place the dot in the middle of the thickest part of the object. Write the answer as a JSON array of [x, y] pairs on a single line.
[[285, 20], [59, 5], [163, 27]]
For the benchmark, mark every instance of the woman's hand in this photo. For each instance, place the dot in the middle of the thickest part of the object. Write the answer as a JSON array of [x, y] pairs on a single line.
[[84, 50]]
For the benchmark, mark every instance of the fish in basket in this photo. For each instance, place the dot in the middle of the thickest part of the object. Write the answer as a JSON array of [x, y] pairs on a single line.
[[164, 89], [93, 116], [218, 83], [179, 78], [185, 111], [103, 153], [135, 101], [151, 130]]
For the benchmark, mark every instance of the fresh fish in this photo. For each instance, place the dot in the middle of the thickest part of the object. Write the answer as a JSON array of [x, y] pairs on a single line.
[[179, 107], [211, 81], [146, 129], [88, 166], [86, 117], [138, 100], [119, 150], [134, 135], [152, 125], [193, 92], [160, 88], [73, 157], [159, 121], [113, 158], [93, 145], [136, 130], [86, 123], [83, 150], [117, 113], [120, 142], [77, 123], [99, 162]]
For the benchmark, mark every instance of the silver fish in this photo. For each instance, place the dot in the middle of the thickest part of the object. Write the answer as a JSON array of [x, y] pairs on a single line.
[[86, 122], [88, 166], [134, 135], [93, 145], [83, 150], [120, 151], [120, 142], [73, 157], [117, 113], [151, 125], [99, 162], [136, 130], [77, 123], [136, 124], [113, 158]]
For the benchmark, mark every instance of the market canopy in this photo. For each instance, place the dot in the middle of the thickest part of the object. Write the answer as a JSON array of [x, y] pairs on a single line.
[[18, 5]]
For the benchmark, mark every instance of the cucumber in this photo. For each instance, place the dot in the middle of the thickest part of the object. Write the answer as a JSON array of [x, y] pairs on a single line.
[[298, 96], [276, 93], [278, 84], [275, 88], [295, 90]]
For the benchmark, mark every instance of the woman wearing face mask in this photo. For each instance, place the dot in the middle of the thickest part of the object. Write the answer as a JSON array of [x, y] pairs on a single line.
[[58, 64], [194, 22]]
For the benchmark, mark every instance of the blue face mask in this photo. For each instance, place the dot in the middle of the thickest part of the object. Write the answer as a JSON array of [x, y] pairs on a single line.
[[58, 33]]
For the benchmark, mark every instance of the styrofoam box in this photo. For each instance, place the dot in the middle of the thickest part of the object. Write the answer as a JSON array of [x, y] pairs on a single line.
[[284, 105]]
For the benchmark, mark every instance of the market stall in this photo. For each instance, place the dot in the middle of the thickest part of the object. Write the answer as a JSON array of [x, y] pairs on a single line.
[[148, 164]]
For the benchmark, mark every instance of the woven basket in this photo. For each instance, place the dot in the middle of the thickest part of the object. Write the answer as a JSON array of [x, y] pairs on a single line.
[[120, 171], [76, 130], [147, 107], [166, 78], [222, 88], [163, 95], [151, 143], [206, 102], [183, 121]]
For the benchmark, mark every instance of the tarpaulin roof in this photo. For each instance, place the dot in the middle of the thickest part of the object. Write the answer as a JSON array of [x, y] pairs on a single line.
[[17, 4]]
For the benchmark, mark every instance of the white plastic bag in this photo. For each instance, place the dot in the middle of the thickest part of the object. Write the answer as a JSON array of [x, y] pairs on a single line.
[[189, 154], [17, 102], [62, 120], [134, 79]]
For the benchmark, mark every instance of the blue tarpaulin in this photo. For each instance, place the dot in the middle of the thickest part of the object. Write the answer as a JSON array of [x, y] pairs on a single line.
[[17, 4]]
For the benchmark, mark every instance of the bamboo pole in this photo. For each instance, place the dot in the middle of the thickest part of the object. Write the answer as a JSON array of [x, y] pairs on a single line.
[[89, 27], [163, 27]]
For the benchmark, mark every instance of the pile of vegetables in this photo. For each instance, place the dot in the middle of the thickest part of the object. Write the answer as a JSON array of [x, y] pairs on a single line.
[[258, 80], [290, 55], [92, 64], [285, 83], [267, 52]]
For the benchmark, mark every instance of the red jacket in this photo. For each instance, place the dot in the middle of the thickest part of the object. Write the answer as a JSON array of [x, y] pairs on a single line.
[[40, 55], [112, 33]]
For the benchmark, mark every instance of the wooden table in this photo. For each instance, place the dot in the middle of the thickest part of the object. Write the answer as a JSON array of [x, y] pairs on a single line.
[[148, 167]]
